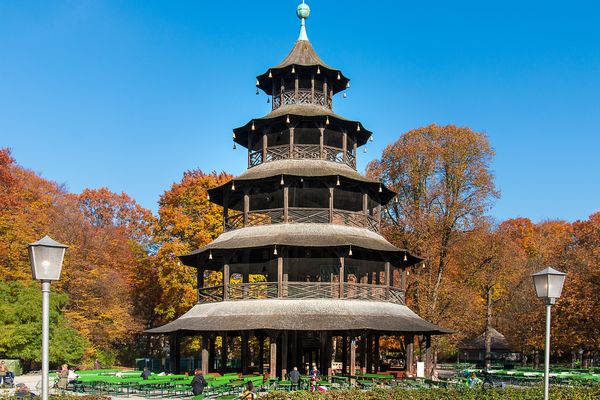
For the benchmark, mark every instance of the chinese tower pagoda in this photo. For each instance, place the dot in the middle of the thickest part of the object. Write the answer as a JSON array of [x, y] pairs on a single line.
[[302, 260]]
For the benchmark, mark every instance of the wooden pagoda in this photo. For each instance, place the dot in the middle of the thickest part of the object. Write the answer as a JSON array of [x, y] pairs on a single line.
[[301, 256]]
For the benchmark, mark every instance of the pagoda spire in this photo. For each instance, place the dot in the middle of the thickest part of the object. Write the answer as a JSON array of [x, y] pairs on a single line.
[[303, 12]]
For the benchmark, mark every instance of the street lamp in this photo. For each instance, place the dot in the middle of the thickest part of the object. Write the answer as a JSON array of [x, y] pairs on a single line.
[[46, 258], [548, 285]]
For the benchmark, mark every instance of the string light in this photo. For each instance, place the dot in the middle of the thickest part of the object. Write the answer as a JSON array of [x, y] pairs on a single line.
[[371, 138], [380, 189], [337, 183], [207, 196], [348, 85], [287, 119], [339, 76], [318, 70], [358, 127], [257, 83], [268, 100], [327, 120], [396, 199], [293, 70], [270, 74], [365, 150], [257, 91], [350, 252], [275, 251], [253, 128], [405, 258], [281, 182], [232, 185], [210, 255], [345, 95]]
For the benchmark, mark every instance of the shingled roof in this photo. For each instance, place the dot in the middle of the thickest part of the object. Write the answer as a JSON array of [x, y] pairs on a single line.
[[499, 342]]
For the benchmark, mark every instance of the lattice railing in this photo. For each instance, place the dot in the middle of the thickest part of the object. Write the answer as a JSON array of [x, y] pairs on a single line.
[[301, 152], [275, 153], [210, 294], [305, 96], [308, 215], [234, 221], [301, 290], [265, 217]]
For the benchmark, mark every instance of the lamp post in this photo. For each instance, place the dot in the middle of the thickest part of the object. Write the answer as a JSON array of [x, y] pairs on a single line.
[[46, 258], [548, 285]]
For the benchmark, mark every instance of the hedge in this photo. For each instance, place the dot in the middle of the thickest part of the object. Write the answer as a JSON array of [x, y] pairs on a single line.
[[582, 393]]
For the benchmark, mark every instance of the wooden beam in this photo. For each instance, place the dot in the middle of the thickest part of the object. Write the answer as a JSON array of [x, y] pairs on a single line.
[[224, 352], [428, 357], [366, 204], [225, 282], [284, 354], [280, 276], [344, 146], [265, 139], [331, 205], [409, 342], [321, 143], [244, 352], [387, 278], [403, 280], [296, 87], [205, 354], [312, 87], [273, 357], [174, 355], [344, 353], [378, 216], [246, 208], [352, 355], [342, 276], [286, 198], [291, 142]]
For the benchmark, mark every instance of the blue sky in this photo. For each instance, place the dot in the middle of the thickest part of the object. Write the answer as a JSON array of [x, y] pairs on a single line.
[[130, 94]]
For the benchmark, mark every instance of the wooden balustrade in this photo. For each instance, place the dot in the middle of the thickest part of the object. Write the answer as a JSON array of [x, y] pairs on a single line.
[[300, 291], [301, 152], [301, 96]]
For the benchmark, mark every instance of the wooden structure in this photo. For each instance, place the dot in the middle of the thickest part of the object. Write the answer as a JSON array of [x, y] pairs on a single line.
[[301, 256], [474, 349]]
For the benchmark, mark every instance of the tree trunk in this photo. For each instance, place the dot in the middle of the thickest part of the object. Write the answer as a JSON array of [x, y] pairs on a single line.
[[488, 328]]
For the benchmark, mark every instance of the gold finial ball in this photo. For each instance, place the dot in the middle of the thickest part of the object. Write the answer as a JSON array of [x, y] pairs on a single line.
[[303, 11]]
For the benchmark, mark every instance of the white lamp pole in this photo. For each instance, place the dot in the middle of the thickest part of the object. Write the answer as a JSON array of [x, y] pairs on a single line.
[[548, 285], [46, 258]]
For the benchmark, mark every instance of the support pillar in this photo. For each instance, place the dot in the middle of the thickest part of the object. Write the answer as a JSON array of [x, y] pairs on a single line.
[[273, 357], [323, 350], [344, 353], [376, 354], [244, 352], [369, 352], [224, 352], [205, 354], [261, 354], [211, 353], [363, 353], [352, 370], [284, 354], [225, 282], [428, 357], [409, 342], [174, 352]]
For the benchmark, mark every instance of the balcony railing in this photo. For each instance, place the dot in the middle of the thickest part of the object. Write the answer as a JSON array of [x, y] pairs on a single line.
[[301, 290], [301, 152], [297, 215], [302, 96]]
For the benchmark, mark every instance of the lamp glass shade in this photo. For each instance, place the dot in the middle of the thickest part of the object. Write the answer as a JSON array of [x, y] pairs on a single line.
[[46, 258], [549, 283]]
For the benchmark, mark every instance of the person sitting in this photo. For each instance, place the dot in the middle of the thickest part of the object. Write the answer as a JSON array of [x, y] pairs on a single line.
[[249, 393], [198, 382], [145, 374], [63, 378], [22, 391]]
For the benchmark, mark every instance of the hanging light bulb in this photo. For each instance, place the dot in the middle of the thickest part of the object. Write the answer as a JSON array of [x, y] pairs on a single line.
[[423, 264], [210, 255], [345, 95], [365, 150], [234, 146], [281, 181], [407, 272], [207, 196], [270, 74], [337, 183], [253, 128], [232, 185], [268, 100], [327, 120], [350, 252], [275, 251], [318, 70], [293, 70], [380, 189], [371, 138], [348, 85], [233, 135], [287, 119], [257, 91], [257, 83], [358, 127], [396, 199], [339, 76], [405, 258]]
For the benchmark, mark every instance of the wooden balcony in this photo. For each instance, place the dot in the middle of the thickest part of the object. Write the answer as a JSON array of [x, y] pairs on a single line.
[[302, 215], [301, 96], [301, 152], [301, 291]]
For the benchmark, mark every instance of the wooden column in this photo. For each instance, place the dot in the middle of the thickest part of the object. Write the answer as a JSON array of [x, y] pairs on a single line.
[[403, 279], [273, 95], [363, 354], [292, 142], [225, 210], [325, 90], [261, 353], [378, 216], [387, 278], [428, 357], [369, 353], [329, 353], [294, 352], [273, 357], [365, 205], [286, 204], [225, 281], [409, 342], [321, 143], [312, 88], [284, 354], [264, 147], [245, 352], [174, 353], [323, 350], [224, 352], [344, 146], [282, 89], [205, 354], [352, 370], [331, 205], [342, 276], [211, 353], [344, 353], [296, 87], [246, 208], [376, 354], [280, 276]]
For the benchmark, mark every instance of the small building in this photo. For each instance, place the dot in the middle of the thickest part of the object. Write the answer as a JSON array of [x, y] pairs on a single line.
[[474, 349]]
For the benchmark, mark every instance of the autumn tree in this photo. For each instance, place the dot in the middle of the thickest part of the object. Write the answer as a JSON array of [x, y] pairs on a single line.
[[444, 184]]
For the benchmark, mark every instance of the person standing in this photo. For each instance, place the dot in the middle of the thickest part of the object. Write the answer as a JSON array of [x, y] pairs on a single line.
[[3, 372], [198, 383], [63, 378], [145, 374], [295, 378]]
